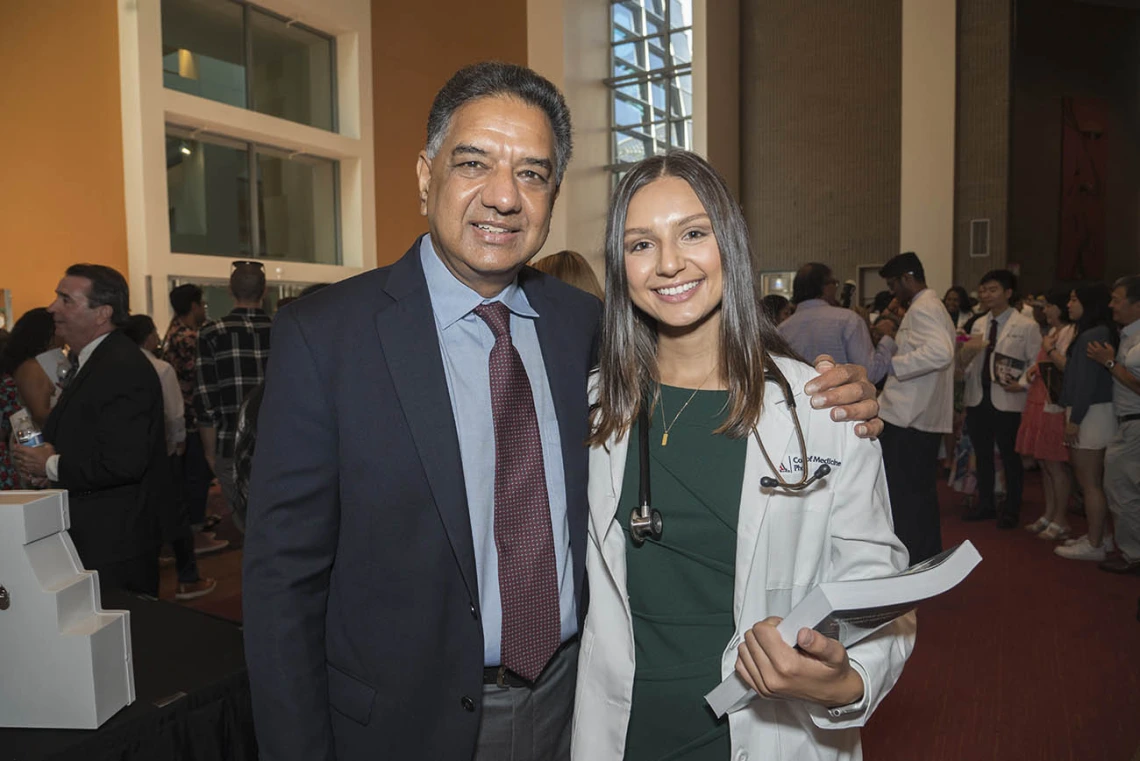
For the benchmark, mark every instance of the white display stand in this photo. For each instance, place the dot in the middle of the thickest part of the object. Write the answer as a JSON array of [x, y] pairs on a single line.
[[65, 663]]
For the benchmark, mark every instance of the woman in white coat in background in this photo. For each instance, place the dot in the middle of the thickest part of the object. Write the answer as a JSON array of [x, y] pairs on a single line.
[[684, 336]]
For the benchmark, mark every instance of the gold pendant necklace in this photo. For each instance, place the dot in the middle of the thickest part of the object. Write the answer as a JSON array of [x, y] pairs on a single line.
[[661, 401]]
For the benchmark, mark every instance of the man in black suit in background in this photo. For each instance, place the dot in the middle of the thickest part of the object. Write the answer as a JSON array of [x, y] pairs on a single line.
[[416, 536], [106, 441]]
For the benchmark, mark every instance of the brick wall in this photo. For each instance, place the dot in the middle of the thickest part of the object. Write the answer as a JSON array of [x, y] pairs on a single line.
[[982, 145], [820, 131]]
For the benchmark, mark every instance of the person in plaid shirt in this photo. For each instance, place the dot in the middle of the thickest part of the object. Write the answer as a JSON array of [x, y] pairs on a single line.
[[232, 354], [180, 349]]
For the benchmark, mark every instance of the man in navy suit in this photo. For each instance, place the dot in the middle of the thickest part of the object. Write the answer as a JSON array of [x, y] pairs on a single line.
[[392, 520]]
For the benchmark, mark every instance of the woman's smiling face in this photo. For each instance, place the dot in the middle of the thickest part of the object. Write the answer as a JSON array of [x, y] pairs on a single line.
[[672, 260]]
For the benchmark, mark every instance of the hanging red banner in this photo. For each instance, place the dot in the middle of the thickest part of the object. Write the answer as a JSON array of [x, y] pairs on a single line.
[[1084, 154]]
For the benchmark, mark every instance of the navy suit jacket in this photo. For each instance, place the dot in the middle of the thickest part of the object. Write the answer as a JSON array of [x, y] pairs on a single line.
[[361, 604]]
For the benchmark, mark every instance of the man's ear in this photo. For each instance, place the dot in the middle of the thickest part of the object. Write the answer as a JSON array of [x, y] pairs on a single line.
[[423, 175], [104, 313]]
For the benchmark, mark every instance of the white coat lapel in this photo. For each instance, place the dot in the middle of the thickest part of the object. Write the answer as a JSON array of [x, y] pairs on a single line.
[[607, 471], [617, 455], [777, 431]]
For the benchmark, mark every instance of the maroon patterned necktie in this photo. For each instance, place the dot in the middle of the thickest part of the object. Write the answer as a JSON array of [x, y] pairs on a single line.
[[528, 578]]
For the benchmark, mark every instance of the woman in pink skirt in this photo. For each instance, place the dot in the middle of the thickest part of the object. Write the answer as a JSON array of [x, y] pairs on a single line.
[[1042, 432]]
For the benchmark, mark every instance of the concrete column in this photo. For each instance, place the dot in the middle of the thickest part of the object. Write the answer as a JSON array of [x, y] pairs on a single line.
[[926, 212]]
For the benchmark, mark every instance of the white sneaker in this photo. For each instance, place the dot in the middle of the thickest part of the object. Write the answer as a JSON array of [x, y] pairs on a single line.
[[1106, 543], [1082, 550]]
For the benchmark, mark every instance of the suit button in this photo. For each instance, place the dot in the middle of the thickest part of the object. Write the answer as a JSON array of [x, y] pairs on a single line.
[[474, 612], [468, 704]]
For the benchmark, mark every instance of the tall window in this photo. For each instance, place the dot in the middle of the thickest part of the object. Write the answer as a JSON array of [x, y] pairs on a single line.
[[651, 80], [228, 196]]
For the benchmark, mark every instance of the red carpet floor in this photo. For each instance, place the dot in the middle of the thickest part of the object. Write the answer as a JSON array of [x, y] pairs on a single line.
[[1032, 658]]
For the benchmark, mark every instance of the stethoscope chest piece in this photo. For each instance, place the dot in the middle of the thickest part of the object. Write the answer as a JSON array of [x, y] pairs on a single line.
[[644, 523]]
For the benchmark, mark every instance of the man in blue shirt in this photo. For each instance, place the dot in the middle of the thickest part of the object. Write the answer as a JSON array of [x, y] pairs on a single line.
[[818, 327]]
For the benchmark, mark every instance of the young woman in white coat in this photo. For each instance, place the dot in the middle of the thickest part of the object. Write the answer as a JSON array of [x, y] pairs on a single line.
[[685, 338]]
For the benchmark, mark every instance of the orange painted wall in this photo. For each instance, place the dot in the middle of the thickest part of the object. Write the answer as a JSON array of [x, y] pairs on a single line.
[[61, 154], [416, 47]]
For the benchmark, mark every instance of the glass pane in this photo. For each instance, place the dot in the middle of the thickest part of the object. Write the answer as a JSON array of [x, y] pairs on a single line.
[[658, 53], [628, 111], [681, 96], [659, 88], [682, 47], [207, 189], [680, 13], [202, 44], [626, 18], [630, 147], [297, 207], [292, 72], [629, 58]]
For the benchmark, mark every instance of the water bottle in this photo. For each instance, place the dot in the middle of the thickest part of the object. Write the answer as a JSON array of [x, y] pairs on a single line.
[[30, 435]]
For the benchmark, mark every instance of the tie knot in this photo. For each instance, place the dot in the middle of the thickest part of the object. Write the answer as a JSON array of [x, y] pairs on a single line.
[[497, 317]]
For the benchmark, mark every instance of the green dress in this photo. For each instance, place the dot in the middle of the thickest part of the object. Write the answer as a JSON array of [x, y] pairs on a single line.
[[681, 588]]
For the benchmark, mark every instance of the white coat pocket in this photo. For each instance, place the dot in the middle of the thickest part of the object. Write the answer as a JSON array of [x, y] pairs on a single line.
[[797, 538]]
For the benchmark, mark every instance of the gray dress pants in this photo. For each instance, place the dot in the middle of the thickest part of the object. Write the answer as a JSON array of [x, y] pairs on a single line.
[[525, 724]]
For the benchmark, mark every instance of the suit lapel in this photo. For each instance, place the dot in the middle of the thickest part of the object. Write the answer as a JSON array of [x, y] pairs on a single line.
[[73, 385], [411, 347]]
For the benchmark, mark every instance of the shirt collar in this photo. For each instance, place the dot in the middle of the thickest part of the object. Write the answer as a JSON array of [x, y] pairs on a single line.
[[85, 352], [1004, 316], [1130, 329], [452, 300], [812, 304]]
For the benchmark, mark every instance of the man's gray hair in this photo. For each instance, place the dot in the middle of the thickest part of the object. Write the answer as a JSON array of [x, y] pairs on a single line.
[[1131, 286], [493, 78]]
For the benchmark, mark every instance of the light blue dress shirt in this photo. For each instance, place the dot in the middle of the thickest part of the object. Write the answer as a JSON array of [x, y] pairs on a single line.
[[819, 328], [465, 342]]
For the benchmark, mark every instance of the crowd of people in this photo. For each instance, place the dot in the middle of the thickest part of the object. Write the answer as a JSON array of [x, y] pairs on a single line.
[[135, 427], [451, 448], [1023, 382]]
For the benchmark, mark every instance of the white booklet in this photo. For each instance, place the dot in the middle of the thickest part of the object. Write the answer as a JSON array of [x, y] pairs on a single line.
[[850, 611]]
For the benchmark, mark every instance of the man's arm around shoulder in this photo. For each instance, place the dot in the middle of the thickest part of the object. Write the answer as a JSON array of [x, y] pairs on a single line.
[[291, 535]]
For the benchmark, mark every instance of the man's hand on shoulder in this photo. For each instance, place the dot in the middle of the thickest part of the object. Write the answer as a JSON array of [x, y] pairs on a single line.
[[846, 390]]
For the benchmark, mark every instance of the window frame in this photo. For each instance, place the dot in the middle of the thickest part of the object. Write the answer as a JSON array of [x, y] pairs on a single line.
[[253, 148], [248, 58], [667, 75]]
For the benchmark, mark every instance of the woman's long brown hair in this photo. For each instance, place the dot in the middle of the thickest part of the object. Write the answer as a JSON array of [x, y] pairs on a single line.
[[627, 362]]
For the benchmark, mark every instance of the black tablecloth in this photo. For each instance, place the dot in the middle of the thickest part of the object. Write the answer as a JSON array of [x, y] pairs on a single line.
[[176, 650]]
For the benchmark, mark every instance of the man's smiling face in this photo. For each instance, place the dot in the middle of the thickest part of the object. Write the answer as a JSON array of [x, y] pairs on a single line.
[[489, 191]]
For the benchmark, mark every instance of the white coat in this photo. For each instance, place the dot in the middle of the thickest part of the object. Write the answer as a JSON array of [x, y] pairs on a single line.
[[920, 392], [1020, 338], [787, 542]]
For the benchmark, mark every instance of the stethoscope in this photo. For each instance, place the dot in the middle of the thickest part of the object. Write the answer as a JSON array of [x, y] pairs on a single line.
[[646, 523]]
